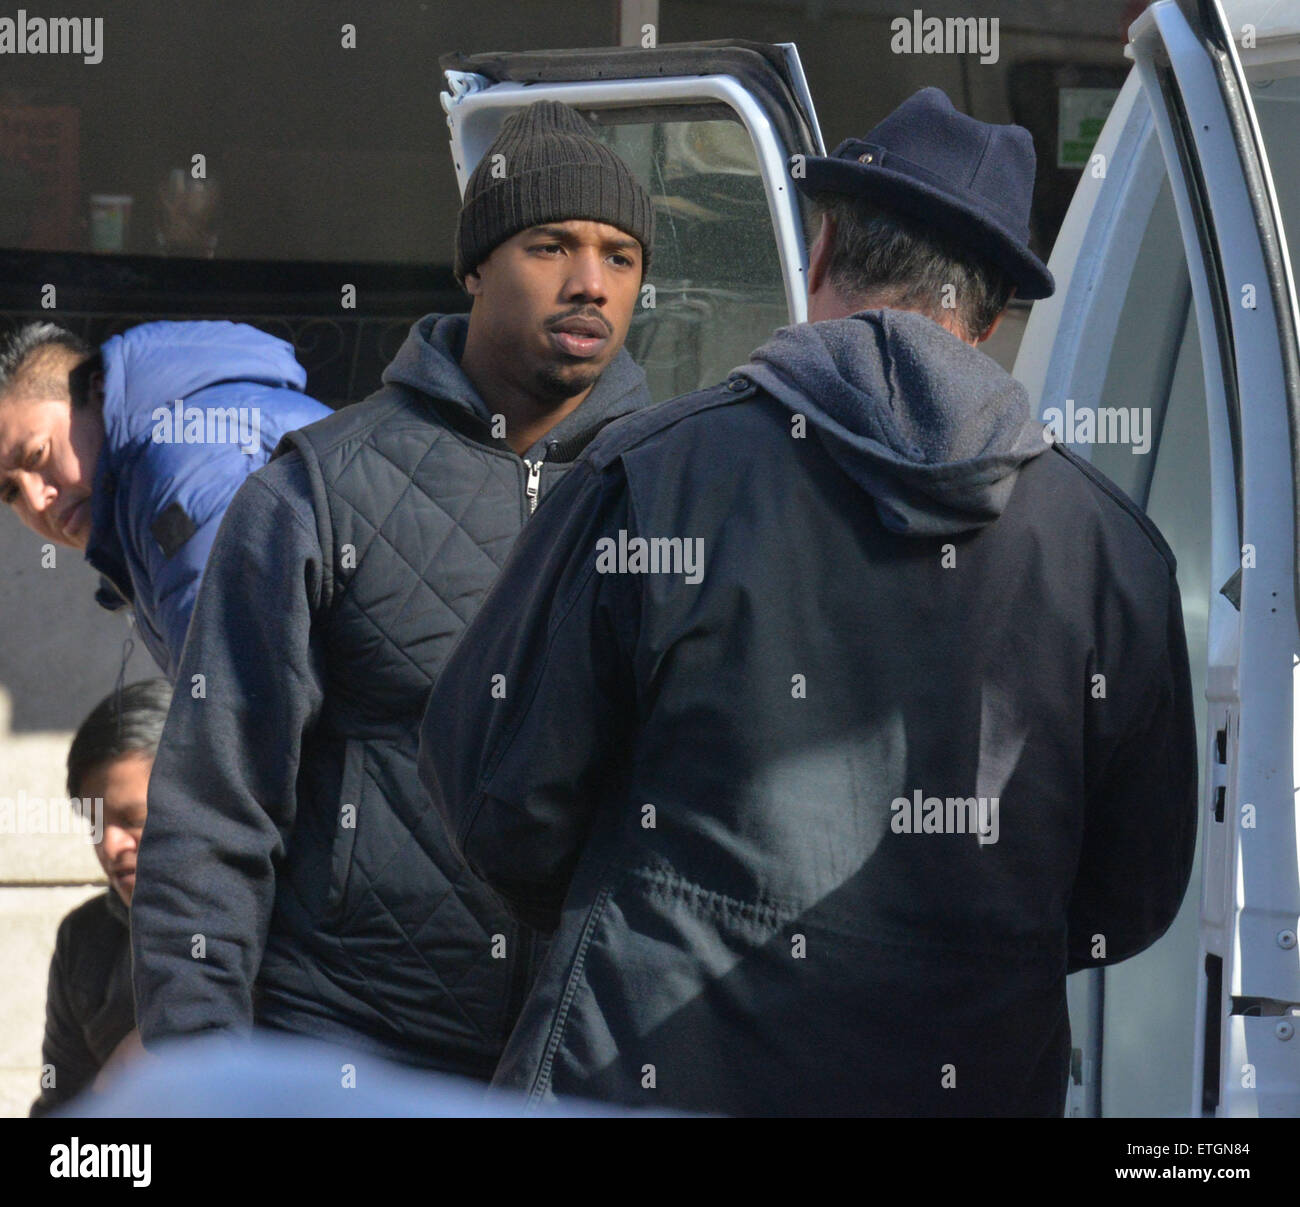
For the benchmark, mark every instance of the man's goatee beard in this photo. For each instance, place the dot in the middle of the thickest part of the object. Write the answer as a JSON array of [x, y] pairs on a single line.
[[557, 387]]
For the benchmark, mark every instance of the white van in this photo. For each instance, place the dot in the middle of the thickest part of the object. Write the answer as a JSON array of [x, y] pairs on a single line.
[[1174, 324]]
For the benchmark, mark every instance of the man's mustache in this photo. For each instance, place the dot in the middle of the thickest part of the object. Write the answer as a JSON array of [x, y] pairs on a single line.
[[582, 312]]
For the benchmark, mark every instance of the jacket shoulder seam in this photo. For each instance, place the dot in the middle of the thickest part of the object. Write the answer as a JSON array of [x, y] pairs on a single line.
[[625, 434], [324, 443], [1117, 496], [280, 497]]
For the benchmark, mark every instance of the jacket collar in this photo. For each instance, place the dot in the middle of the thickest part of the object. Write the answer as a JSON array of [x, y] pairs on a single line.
[[429, 362]]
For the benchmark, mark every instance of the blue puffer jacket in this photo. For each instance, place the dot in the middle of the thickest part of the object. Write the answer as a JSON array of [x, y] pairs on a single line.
[[190, 410]]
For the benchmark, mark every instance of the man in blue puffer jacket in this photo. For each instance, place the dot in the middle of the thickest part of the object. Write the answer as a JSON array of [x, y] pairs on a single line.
[[132, 453]]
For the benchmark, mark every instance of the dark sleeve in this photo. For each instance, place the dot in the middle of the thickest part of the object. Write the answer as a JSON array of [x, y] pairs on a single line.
[[523, 726], [64, 1050], [222, 795], [1140, 830]]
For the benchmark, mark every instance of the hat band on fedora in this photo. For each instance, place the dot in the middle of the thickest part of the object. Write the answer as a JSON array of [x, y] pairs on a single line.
[[876, 156]]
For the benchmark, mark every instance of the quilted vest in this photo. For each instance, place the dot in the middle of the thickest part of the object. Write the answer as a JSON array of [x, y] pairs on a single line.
[[380, 935]]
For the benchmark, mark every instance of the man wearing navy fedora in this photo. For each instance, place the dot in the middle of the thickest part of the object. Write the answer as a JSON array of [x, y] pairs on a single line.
[[821, 815]]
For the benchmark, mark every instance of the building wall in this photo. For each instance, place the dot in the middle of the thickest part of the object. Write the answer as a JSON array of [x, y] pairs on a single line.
[[60, 654]]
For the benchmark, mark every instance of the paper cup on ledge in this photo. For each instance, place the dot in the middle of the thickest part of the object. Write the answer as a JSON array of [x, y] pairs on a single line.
[[110, 220]]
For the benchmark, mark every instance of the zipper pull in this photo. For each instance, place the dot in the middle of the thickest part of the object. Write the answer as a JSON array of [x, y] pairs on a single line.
[[534, 484]]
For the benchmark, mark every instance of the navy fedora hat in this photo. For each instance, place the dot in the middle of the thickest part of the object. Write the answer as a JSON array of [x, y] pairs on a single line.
[[972, 180]]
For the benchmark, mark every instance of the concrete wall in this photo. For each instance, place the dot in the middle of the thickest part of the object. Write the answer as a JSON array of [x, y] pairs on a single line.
[[59, 656]]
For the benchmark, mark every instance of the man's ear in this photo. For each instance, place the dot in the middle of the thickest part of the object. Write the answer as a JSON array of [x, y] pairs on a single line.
[[993, 326], [473, 284], [86, 383], [819, 255]]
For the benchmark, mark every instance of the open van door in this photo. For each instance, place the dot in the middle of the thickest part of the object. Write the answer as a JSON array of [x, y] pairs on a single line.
[[1176, 313], [709, 128]]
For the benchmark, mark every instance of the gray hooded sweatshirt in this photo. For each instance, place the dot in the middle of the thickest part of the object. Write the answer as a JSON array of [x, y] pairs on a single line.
[[931, 428]]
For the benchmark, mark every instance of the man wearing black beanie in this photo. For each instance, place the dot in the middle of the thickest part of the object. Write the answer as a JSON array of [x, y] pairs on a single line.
[[544, 167], [290, 874]]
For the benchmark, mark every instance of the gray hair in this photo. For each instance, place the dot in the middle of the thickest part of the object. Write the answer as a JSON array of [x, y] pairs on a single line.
[[880, 254]]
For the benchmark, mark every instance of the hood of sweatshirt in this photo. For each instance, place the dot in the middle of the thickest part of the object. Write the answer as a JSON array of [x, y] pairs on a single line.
[[931, 428], [429, 361]]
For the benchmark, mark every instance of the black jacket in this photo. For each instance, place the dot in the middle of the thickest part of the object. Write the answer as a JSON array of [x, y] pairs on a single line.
[[285, 822], [713, 776], [88, 1005]]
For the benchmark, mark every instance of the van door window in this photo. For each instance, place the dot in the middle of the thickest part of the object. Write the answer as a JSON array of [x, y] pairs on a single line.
[[717, 289]]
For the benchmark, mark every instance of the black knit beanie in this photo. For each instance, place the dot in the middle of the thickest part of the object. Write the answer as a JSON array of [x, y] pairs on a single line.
[[551, 169]]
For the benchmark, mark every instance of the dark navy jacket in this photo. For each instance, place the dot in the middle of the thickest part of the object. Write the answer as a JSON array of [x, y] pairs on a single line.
[[711, 771], [166, 472]]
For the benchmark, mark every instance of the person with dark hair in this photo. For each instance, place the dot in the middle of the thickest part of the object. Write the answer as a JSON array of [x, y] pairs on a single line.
[[89, 1005], [845, 714], [132, 451], [286, 820], [899, 263]]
